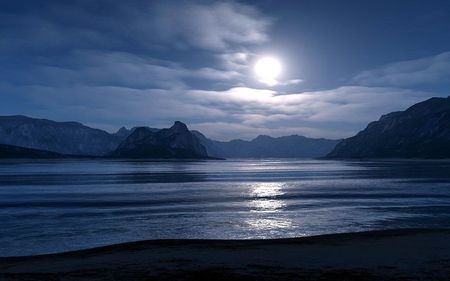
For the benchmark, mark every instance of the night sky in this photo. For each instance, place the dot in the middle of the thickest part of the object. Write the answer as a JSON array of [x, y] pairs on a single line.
[[114, 63]]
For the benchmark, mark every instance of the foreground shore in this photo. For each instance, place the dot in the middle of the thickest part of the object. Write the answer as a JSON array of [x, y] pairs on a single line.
[[378, 255]]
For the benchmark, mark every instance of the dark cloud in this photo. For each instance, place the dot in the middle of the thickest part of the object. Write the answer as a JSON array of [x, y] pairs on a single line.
[[109, 43]]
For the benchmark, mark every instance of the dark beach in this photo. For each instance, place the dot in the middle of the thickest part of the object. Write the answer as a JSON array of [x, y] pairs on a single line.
[[377, 255]]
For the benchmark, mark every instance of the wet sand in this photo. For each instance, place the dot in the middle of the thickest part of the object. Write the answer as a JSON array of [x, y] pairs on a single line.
[[379, 255]]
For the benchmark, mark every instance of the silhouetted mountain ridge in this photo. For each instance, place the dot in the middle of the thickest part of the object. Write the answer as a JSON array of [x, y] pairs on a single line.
[[174, 142], [61, 137], [76, 139], [421, 131], [264, 146]]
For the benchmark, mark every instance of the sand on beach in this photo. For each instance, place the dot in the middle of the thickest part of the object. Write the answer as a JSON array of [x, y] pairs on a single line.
[[376, 255]]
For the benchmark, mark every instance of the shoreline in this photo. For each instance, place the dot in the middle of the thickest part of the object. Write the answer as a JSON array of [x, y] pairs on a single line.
[[412, 254]]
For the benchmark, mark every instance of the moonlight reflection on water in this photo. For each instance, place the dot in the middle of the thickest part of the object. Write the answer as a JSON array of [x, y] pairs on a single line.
[[61, 205], [266, 203]]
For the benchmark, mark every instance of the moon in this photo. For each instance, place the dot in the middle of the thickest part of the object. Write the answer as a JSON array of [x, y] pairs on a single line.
[[267, 69]]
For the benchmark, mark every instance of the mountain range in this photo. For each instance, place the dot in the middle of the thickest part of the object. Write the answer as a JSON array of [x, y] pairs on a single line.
[[75, 139], [421, 131], [268, 147], [61, 137]]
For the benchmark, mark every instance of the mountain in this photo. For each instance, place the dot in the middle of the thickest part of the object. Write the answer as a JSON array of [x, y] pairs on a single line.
[[421, 131], [72, 138], [210, 145], [123, 132], [12, 151], [61, 137], [265, 146], [175, 142]]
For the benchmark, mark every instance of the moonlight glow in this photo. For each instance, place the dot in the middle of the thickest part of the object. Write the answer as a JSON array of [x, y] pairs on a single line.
[[267, 69]]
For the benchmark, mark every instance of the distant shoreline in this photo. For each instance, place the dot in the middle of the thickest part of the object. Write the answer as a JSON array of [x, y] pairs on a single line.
[[412, 254]]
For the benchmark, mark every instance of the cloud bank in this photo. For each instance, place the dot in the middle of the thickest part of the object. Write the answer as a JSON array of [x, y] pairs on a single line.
[[430, 70]]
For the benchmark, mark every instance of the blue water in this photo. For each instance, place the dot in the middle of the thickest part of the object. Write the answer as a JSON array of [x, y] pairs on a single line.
[[60, 205]]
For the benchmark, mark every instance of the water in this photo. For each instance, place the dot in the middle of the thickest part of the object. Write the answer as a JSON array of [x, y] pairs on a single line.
[[60, 205]]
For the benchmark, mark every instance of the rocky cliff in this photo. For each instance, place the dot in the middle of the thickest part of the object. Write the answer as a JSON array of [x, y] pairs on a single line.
[[61, 137], [421, 131], [174, 142]]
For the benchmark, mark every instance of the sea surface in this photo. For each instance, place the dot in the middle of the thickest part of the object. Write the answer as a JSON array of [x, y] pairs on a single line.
[[60, 205]]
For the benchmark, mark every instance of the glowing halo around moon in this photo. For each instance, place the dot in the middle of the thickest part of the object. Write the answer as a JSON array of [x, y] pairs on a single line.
[[267, 69]]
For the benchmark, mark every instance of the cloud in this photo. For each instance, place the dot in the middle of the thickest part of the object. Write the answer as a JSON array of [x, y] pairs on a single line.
[[239, 112], [211, 73], [429, 70], [140, 26], [351, 104], [337, 112], [119, 69], [69, 43], [108, 106], [276, 83], [291, 82], [239, 60], [214, 26]]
